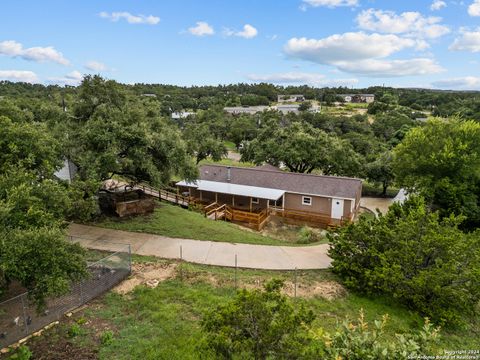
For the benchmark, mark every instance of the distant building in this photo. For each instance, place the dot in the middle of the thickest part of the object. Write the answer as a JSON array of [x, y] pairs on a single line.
[[285, 109], [290, 98], [181, 114], [149, 95], [234, 110], [358, 98]]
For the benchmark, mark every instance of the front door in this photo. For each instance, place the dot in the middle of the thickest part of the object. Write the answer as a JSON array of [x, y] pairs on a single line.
[[337, 208]]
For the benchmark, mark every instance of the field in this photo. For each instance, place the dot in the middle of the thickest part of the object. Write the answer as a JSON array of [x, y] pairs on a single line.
[[173, 221], [163, 322]]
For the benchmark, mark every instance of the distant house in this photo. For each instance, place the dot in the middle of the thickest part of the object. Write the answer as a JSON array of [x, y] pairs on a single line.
[[358, 98], [149, 95], [235, 110], [268, 191], [290, 98], [67, 172], [181, 114]]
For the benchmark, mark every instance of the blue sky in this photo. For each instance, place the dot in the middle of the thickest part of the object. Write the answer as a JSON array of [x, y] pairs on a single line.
[[356, 43]]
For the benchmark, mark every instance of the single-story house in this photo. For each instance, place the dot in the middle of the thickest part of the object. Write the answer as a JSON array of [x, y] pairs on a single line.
[[329, 200], [290, 98]]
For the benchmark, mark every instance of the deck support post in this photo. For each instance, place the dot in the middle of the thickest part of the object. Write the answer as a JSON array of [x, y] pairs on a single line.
[[233, 200], [200, 195], [216, 198], [250, 204]]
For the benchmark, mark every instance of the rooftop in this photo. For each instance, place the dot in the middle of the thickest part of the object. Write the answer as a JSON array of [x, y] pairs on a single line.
[[267, 176]]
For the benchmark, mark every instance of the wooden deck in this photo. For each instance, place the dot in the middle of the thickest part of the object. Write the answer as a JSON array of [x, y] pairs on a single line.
[[216, 211], [164, 195]]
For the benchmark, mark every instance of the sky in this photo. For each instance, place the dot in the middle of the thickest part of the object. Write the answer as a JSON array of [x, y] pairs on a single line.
[[353, 43]]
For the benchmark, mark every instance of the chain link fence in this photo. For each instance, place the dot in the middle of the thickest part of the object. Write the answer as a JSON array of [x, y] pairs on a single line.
[[20, 318]]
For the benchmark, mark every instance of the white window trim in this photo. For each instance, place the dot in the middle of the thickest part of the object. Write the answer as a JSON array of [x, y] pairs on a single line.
[[255, 200], [307, 197]]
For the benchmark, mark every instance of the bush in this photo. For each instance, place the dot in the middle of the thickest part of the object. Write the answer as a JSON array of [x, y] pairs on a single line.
[[410, 254], [74, 330], [307, 235], [106, 338], [22, 353], [361, 340]]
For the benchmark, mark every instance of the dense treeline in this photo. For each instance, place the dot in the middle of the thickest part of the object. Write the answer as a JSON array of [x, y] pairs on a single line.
[[112, 130]]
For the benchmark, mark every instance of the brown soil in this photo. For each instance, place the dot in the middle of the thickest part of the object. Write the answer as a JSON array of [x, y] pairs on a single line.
[[149, 274]]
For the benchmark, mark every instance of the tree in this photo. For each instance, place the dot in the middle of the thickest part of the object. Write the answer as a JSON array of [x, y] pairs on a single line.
[[380, 171], [411, 254], [259, 325], [302, 149], [201, 143], [441, 161], [33, 206], [242, 128], [113, 134], [305, 106]]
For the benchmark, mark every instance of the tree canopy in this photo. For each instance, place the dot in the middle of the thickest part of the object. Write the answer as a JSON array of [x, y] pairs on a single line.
[[441, 161]]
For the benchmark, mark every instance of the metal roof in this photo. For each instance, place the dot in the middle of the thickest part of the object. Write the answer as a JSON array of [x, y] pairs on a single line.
[[234, 189]]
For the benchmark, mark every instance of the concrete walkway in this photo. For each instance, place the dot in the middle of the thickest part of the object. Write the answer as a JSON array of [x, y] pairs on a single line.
[[204, 252]]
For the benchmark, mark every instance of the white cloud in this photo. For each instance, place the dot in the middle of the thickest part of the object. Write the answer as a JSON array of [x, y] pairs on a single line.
[[301, 78], [202, 29], [391, 68], [465, 83], [410, 23], [468, 41], [474, 8], [12, 48], [131, 19], [19, 75], [95, 66], [348, 46], [73, 78], [437, 5], [359, 53], [330, 3], [248, 32]]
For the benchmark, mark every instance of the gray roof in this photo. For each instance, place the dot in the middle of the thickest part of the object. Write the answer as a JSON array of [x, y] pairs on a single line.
[[265, 176]]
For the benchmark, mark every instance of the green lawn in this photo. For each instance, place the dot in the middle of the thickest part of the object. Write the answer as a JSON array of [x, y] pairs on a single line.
[[226, 162], [230, 145], [174, 221], [164, 323]]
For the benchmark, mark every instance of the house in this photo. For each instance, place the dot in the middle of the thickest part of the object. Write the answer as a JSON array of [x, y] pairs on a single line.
[[290, 98], [181, 114], [255, 194], [235, 110], [358, 98]]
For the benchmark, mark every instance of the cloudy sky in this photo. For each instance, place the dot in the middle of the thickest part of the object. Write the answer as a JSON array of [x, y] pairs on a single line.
[[356, 43]]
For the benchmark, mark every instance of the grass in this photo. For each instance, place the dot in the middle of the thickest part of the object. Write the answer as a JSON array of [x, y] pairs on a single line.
[[173, 221], [369, 189], [227, 162], [164, 322]]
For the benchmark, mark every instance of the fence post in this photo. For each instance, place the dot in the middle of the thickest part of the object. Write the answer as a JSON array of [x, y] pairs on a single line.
[[295, 284], [129, 258], [181, 268], [235, 271], [24, 315]]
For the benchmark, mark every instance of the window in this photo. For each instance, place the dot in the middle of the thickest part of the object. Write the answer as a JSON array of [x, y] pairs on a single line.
[[255, 200], [306, 200]]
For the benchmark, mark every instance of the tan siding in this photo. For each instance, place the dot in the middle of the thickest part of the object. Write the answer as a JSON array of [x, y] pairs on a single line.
[[319, 205]]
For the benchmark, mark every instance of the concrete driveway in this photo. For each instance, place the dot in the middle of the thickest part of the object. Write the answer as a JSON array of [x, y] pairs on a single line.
[[204, 252]]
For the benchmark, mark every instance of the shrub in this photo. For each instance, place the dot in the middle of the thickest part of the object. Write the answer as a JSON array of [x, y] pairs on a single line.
[[410, 254], [22, 353], [106, 338], [308, 235], [359, 340], [74, 330]]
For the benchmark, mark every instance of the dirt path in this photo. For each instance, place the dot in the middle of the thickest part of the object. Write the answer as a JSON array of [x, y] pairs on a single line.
[[204, 252]]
